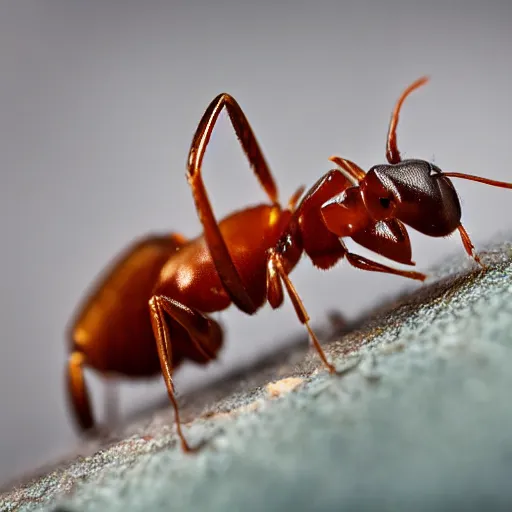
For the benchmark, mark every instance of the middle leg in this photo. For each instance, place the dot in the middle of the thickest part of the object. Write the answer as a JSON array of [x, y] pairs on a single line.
[[276, 275]]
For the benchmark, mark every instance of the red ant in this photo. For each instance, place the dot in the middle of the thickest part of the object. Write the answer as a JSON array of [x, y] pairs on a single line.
[[149, 312]]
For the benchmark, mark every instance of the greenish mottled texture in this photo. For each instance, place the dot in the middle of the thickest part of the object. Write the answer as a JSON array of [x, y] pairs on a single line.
[[423, 422]]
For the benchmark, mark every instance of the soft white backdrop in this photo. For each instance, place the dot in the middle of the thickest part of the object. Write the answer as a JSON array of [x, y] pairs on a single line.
[[98, 104]]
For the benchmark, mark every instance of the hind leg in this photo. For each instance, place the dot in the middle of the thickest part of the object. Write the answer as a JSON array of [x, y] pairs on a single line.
[[202, 344], [77, 391], [116, 308], [78, 397]]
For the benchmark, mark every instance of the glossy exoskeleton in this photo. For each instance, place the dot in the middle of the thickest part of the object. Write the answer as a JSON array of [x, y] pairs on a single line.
[[149, 312]]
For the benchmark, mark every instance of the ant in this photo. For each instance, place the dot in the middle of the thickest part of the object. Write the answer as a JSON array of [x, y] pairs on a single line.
[[148, 313]]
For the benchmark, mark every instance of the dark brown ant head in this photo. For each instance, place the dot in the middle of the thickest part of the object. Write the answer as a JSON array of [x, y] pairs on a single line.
[[415, 192], [378, 205]]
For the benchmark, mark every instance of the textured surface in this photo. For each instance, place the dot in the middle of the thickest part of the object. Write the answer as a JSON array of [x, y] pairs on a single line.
[[421, 420], [100, 99]]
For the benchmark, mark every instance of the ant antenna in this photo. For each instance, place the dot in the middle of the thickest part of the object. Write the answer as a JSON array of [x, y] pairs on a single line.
[[486, 181]]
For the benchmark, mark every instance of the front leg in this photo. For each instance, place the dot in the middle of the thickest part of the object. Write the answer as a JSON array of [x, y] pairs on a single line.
[[366, 264], [468, 245], [352, 170]]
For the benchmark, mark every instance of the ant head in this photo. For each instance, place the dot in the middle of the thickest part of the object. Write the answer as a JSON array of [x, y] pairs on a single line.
[[415, 192]]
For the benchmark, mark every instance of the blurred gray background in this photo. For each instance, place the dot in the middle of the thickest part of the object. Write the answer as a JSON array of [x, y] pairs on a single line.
[[98, 104]]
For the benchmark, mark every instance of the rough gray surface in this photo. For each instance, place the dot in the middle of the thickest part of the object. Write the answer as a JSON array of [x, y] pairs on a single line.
[[421, 420]]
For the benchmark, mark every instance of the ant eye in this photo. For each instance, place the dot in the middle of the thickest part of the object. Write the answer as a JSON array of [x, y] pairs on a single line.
[[385, 202]]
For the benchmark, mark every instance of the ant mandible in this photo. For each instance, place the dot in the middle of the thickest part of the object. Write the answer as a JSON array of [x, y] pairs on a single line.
[[149, 312]]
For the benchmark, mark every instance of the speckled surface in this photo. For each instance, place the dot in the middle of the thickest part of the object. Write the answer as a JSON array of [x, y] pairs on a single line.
[[421, 420]]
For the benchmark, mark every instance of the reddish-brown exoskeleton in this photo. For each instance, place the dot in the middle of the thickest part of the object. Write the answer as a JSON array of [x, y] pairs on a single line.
[[149, 312]]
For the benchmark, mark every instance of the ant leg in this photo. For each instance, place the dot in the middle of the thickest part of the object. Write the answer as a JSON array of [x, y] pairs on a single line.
[[275, 295], [294, 199], [468, 245], [100, 315], [352, 170], [226, 269], [392, 153], [204, 333], [366, 264], [245, 135], [275, 275], [77, 391]]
